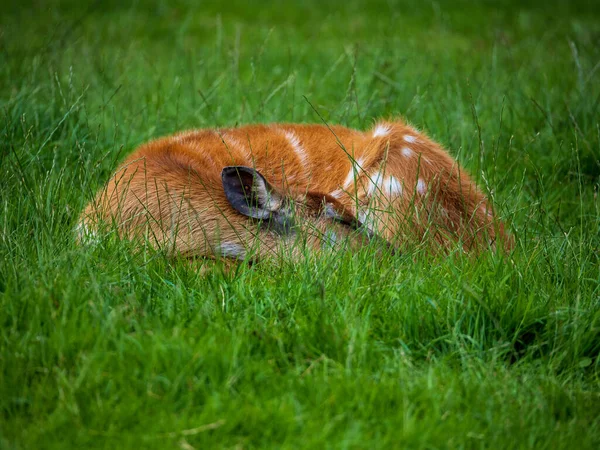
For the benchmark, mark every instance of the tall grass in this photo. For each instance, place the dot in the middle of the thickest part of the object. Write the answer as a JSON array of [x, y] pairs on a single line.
[[107, 346]]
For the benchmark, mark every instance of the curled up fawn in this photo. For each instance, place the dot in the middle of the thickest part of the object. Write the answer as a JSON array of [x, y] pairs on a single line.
[[255, 189]]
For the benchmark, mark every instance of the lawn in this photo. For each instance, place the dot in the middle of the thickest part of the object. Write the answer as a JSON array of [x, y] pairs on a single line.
[[111, 347]]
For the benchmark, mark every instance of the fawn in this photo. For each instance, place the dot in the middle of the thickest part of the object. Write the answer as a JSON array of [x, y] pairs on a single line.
[[223, 192]]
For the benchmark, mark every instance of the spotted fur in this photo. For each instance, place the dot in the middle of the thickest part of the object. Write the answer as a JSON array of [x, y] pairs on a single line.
[[409, 187]]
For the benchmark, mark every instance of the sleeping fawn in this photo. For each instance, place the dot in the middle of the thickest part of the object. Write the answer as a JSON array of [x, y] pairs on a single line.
[[229, 191]]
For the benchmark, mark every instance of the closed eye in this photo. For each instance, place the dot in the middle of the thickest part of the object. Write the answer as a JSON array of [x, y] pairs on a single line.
[[351, 222], [342, 218]]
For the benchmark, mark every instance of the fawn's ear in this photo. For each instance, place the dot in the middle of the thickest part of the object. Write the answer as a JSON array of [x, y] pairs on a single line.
[[249, 193]]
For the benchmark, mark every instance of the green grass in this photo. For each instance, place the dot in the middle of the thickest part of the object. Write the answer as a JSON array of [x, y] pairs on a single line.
[[106, 347]]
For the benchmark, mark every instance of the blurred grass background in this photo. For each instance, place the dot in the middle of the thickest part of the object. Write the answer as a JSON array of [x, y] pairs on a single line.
[[108, 347]]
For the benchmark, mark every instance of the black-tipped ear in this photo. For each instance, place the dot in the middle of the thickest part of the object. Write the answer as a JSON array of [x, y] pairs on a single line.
[[249, 193]]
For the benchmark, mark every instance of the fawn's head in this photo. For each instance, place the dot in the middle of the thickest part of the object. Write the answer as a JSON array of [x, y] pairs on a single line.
[[292, 220]]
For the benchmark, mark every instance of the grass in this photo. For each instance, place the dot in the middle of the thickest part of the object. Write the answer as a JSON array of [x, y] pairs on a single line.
[[106, 347]]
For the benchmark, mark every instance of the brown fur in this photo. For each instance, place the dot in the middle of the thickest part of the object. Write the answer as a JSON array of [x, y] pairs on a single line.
[[402, 184]]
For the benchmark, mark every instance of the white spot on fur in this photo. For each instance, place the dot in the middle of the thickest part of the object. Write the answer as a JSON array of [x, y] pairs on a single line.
[[231, 250], [349, 178], [354, 173], [421, 186], [374, 183], [410, 139], [295, 143], [388, 186], [336, 194], [407, 152], [381, 130], [393, 186]]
